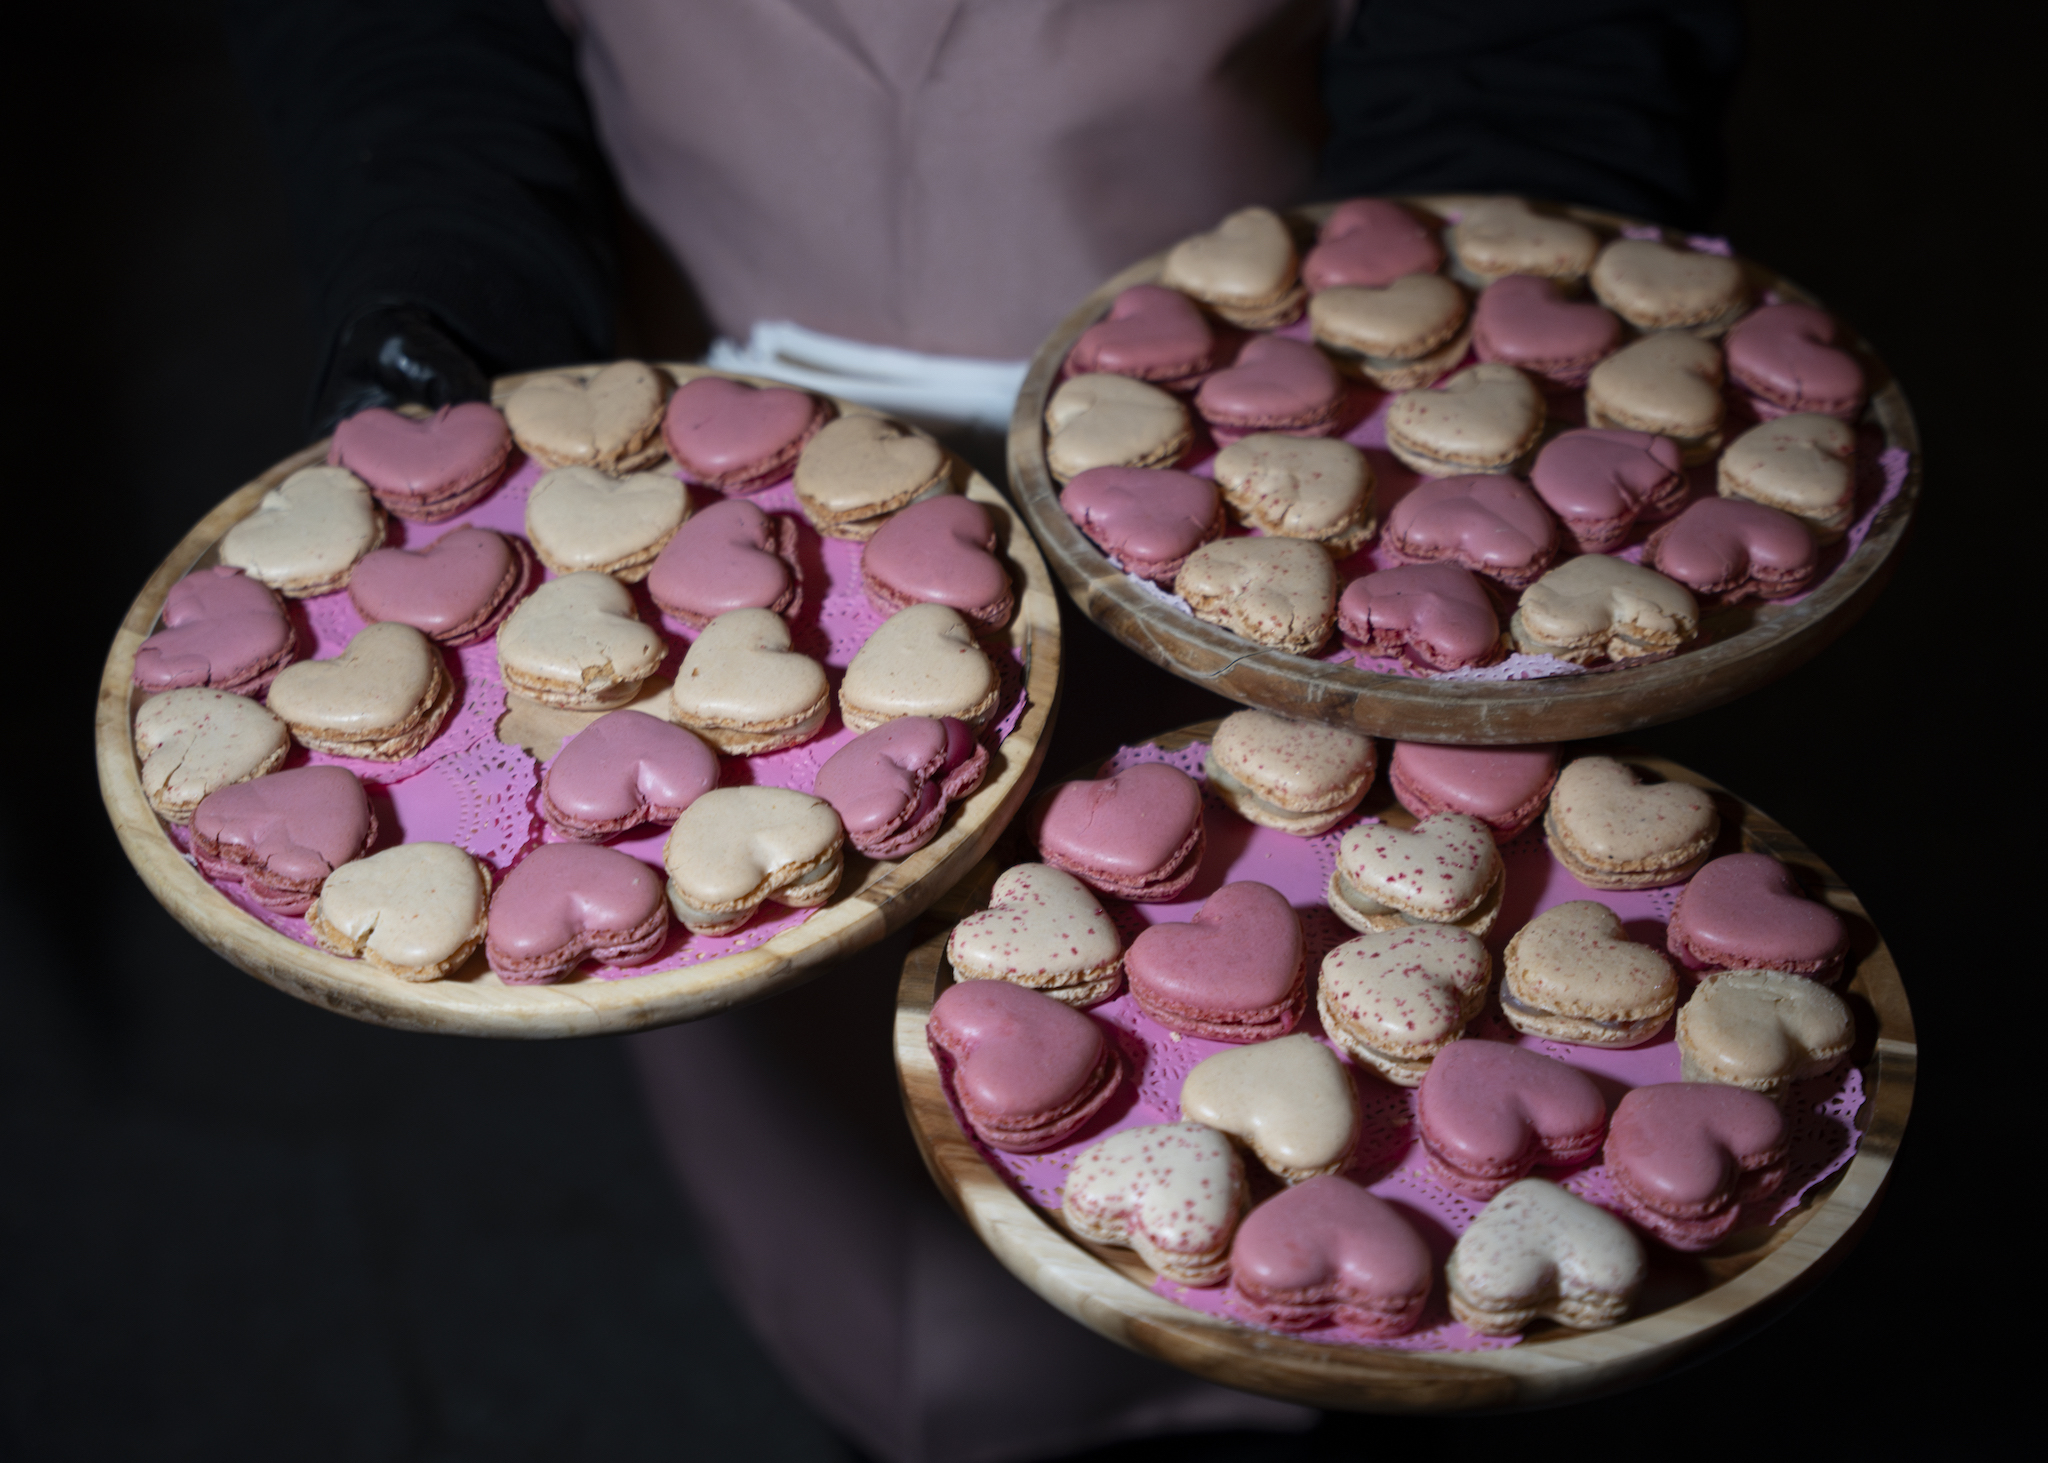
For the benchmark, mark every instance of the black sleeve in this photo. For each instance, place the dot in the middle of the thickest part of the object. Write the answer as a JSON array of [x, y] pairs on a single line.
[[438, 154], [1614, 103]]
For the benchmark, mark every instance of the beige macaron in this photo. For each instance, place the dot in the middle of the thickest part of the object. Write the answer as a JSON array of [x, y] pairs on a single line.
[[1498, 236], [1290, 1101], [1099, 420], [1446, 870], [1314, 488], [1298, 776], [858, 470], [383, 698], [1573, 974], [195, 739], [577, 643], [1395, 998], [417, 911], [308, 533], [1402, 335], [1763, 1030], [1612, 830], [1045, 930], [1280, 592], [744, 690], [1245, 269], [1540, 1250], [1803, 464], [1484, 419], [1597, 606], [611, 422], [578, 518], [1656, 287], [1668, 383], [736, 848], [923, 661]]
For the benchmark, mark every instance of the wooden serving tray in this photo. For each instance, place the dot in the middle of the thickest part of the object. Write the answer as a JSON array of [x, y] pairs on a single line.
[[874, 896], [1735, 1287], [1753, 644]]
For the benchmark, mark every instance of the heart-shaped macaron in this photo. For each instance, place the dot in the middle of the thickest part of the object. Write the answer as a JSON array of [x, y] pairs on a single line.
[[1444, 870], [220, 629], [891, 786], [455, 590], [1044, 929], [1786, 357], [1174, 1193], [307, 532], [1028, 1071], [1598, 605], [1654, 286], [1397, 998], [1237, 971], [384, 697], [609, 420], [1668, 383], [1803, 464], [1600, 481], [1573, 974], [1438, 615], [1244, 268], [1498, 236], [579, 518], [196, 739], [1149, 519], [1525, 322], [624, 769], [282, 834], [1728, 549], [1280, 592], [1744, 911], [940, 551], [1760, 1029], [1489, 1112], [577, 643], [1370, 242], [735, 848], [1538, 1250], [1152, 333], [1612, 830], [1137, 834], [1685, 1157], [1112, 421], [732, 556], [1275, 385], [429, 468], [567, 902], [1401, 335], [1481, 420], [1328, 1250], [738, 438], [1290, 1101], [1503, 787], [745, 690], [1491, 524], [923, 661], [1300, 487], [416, 911], [861, 469]]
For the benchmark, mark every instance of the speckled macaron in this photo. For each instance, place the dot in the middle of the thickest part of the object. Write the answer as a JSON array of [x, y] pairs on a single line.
[[1301, 777], [1612, 830]]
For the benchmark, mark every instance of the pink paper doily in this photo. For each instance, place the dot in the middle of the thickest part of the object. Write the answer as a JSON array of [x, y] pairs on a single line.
[[1822, 1115], [469, 789]]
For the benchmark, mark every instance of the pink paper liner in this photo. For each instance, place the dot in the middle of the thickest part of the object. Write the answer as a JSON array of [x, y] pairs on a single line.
[[469, 789], [1389, 1160]]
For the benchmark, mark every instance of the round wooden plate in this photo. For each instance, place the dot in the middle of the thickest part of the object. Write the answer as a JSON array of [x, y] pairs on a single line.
[[1753, 644], [874, 896], [1735, 1287]]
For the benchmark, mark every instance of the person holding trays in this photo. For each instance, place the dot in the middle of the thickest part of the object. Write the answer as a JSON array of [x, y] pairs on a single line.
[[894, 203]]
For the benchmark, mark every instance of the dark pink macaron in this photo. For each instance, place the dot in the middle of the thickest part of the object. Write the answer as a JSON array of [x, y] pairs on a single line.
[[1744, 911], [1726, 550], [425, 469], [1028, 1071], [220, 629], [565, 903], [736, 438], [624, 769], [1148, 518], [1151, 332], [1786, 358], [1490, 523], [939, 551], [1505, 788], [457, 590], [1685, 1157], [1523, 321], [1237, 971], [280, 835], [1437, 615], [1489, 1112], [1328, 1250], [732, 556], [1600, 481], [891, 786], [1275, 385], [1370, 242], [1137, 834]]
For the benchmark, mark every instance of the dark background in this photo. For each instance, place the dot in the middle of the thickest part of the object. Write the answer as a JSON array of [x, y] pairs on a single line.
[[237, 1226]]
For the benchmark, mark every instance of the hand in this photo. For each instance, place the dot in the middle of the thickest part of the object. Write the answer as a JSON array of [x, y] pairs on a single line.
[[392, 355]]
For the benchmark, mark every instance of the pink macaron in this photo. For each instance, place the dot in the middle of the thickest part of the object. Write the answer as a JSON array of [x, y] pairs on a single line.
[[1275, 385], [1370, 242], [1744, 911], [279, 836], [1329, 1250], [1489, 1112], [1151, 332], [1437, 615], [891, 786], [1503, 787], [1600, 481], [1491, 524], [1138, 834], [425, 469], [624, 769], [1786, 358], [1686, 1156], [940, 551], [1028, 1071], [732, 556], [1726, 550], [736, 438], [456, 591], [1238, 971], [220, 629], [565, 903], [1149, 519], [1525, 322]]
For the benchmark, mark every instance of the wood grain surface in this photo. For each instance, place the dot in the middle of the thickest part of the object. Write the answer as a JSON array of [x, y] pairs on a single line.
[[1734, 1288], [1750, 644], [874, 897]]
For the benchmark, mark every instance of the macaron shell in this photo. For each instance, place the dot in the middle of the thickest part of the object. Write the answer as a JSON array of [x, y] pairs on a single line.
[[1503, 787], [1289, 1099], [1043, 928], [307, 532], [1787, 355], [1151, 332], [1537, 1249], [1370, 242], [1100, 420], [410, 462], [627, 765], [220, 629], [727, 433], [1274, 383], [1685, 1146], [1300, 765], [1334, 1246], [194, 740], [1238, 964], [1523, 321], [447, 590], [1439, 614], [611, 420], [1762, 1029], [1505, 236], [1151, 519], [1484, 417], [564, 901], [732, 556], [1126, 826], [579, 518], [1744, 912], [415, 909], [1574, 959], [1489, 1111], [1017, 1053], [1491, 524], [940, 551]]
